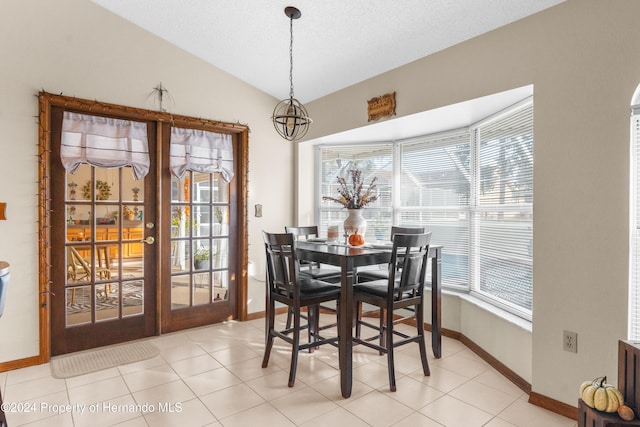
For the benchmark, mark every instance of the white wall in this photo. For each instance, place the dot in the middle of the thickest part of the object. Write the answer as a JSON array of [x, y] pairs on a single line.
[[78, 49], [582, 58]]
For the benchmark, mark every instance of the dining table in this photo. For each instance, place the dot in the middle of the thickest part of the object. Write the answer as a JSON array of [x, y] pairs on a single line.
[[349, 259]]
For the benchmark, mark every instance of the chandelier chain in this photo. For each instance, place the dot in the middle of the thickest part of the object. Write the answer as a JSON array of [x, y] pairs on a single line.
[[291, 56]]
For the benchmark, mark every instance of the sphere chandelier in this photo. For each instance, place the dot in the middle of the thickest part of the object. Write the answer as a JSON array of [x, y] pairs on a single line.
[[290, 117]]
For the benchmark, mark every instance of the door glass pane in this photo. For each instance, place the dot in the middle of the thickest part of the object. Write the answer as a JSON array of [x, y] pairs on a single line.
[[180, 291], [132, 298], [220, 286], [201, 286], [107, 302], [78, 303], [220, 251], [201, 221], [201, 255]]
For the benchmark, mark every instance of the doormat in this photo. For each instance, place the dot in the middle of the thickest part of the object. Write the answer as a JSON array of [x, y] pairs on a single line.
[[89, 361]]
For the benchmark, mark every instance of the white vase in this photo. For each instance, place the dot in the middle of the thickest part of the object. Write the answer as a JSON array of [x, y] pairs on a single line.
[[355, 222]]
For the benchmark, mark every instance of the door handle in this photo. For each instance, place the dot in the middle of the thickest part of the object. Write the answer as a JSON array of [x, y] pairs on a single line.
[[149, 240]]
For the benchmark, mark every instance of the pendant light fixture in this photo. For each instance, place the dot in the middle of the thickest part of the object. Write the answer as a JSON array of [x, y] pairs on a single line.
[[290, 118]]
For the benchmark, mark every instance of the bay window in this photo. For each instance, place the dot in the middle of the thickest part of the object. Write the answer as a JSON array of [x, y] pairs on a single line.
[[471, 187]]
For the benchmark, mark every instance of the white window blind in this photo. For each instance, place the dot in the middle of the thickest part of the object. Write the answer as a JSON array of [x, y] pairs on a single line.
[[502, 266], [372, 160], [200, 151], [104, 142], [634, 274], [435, 189]]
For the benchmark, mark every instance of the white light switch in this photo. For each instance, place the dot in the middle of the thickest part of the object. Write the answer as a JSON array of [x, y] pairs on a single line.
[[258, 211]]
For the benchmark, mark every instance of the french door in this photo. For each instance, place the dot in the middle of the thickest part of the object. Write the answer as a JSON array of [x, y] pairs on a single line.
[[123, 259], [202, 245], [103, 235]]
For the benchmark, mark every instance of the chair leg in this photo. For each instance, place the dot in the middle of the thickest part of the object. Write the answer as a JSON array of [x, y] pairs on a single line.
[[270, 324], [295, 348], [289, 317], [422, 341], [389, 346], [383, 315], [312, 319]]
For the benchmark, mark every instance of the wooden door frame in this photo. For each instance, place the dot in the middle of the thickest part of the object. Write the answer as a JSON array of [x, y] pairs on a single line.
[[45, 102]]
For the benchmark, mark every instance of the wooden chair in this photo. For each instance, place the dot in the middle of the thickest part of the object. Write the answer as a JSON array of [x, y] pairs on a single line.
[[367, 275], [286, 286], [383, 274], [313, 270], [79, 269], [403, 289]]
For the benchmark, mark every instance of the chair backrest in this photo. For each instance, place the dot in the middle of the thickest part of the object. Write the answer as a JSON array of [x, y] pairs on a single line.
[[77, 264], [395, 229], [411, 252], [282, 264], [307, 232]]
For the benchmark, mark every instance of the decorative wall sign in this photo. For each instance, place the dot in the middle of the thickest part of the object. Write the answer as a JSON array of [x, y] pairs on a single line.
[[382, 106]]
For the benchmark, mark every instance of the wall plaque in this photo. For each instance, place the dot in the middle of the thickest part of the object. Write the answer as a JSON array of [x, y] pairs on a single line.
[[382, 106]]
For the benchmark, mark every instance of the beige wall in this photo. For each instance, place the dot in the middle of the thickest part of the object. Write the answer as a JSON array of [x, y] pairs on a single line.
[[582, 57], [78, 49]]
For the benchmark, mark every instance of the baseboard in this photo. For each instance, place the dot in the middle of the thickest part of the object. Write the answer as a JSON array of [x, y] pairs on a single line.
[[553, 405], [537, 399], [20, 363], [496, 364], [261, 314]]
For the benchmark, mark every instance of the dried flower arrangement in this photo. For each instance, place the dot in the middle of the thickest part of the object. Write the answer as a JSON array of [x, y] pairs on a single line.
[[352, 192]]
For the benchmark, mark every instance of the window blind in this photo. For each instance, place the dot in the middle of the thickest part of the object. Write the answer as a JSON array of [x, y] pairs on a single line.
[[503, 215], [435, 189], [634, 274], [201, 151], [372, 160], [104, 142]]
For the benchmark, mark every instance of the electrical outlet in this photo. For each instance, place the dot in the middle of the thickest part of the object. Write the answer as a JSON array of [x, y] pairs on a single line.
[[570, 341]]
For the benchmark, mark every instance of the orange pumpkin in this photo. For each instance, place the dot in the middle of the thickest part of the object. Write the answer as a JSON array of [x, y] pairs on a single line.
[[356, 239]]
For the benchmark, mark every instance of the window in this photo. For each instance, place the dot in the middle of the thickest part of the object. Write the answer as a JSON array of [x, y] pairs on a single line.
[[472, 188], [634, 274], [373, 160]]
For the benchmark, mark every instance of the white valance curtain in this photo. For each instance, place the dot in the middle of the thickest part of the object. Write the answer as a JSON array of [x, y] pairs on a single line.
[[104, 142], [201, 151]]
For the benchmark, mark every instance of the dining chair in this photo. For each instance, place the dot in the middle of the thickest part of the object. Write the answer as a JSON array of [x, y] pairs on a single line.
[[377, 274], [312, 269], [382, 273], [285, 285], [404, 288]]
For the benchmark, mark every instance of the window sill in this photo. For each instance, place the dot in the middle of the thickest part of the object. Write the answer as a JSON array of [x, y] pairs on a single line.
[[491, 308]]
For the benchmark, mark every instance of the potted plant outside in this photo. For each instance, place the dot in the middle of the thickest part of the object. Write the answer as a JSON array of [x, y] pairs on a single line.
[[201, 258]]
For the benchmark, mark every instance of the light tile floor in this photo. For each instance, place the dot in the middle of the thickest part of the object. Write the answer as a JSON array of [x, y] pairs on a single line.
[[212, 376]]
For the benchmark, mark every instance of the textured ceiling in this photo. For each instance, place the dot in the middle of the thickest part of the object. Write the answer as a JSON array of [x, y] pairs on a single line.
[[337, 43]]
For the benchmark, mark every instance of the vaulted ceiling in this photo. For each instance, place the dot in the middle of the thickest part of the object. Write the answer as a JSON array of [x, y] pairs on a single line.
[[336, 43]]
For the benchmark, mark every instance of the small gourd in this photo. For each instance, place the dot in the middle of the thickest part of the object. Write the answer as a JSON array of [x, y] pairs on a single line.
[[601, 396], [356, 239], [626, 413]]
